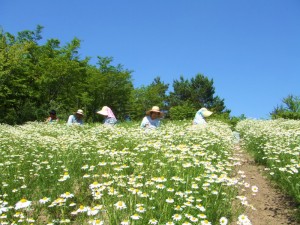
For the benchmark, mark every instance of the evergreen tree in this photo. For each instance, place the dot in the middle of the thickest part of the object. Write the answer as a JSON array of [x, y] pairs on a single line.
[[196, 93], [290, 109]]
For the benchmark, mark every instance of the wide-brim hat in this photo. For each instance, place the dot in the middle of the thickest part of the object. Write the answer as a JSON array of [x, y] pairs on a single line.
[[205, 112], [80, 112], [103, 111], [155, 109]]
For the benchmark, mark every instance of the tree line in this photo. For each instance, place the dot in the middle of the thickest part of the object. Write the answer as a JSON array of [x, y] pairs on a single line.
[[35, 78], [289, 109]]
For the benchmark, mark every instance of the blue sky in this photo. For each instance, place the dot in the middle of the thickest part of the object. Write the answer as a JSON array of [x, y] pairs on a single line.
[[250, 48]]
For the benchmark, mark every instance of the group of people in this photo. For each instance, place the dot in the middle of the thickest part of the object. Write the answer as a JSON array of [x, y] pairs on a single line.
[[151, 120], [77, 117]]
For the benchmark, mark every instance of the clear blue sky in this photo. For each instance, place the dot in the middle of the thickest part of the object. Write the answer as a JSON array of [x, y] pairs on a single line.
[[250, 48]]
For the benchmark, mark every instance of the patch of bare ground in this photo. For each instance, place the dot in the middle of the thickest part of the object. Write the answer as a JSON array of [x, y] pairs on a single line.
[[271, 207]]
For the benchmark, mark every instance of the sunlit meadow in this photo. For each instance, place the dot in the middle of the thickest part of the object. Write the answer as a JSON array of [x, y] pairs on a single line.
[[92, 174], [275, 144]]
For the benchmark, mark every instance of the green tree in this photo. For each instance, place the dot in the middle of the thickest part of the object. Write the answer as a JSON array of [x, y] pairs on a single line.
[[196, 93], [36, 77], [16, 80], [290, 109], [107, 85], [143, 98], [61, 76], [158, 90], [181, 112]]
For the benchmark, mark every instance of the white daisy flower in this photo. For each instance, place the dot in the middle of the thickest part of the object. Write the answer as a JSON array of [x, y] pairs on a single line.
[[176, 217], [23, 203], [223, 221], [120, 205], [135, 217]]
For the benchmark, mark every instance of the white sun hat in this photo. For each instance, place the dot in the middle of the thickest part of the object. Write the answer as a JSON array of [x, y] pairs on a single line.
[[205, 112], [103, 111], [80, 112]]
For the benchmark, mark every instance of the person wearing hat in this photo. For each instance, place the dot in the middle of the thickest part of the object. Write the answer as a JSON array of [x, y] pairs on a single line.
[[52, 117], [76, 118], [200, 116], [152, 118], [110, 118]]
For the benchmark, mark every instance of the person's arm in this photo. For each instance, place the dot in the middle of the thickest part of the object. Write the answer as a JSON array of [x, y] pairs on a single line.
[[145, 122], [70, 120]]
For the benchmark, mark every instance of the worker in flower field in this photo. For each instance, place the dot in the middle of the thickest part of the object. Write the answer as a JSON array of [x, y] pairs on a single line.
[[52, 117], [76, 118], [200, 116], [110, 118], [152, 118]]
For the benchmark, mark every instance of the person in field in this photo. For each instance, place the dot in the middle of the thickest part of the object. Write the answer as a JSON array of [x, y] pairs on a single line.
[[152, 118], [52, 117], [200, 116], [76, 118], [110, 118]]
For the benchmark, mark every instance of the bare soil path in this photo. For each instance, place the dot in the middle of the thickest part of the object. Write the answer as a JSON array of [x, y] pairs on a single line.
[[272, 207]]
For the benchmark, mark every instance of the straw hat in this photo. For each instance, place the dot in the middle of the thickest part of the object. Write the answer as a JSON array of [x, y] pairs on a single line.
[[205, 112], [103, 111], [80, 112], [155, 109]]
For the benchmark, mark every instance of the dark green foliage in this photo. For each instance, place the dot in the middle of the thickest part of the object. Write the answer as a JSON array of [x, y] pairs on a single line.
[[290, 109], [197, 92], [225, 117], [35, 78], [107, 85], [145, 97], [286, 115], [182, 112]]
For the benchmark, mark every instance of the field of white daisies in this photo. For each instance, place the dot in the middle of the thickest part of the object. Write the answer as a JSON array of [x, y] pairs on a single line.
[[92, 174], [276, 145]]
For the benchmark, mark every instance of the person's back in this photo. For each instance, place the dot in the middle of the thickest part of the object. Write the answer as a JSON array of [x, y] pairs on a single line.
[[110, 118], [110, 121], [199, 119], [200, 116]]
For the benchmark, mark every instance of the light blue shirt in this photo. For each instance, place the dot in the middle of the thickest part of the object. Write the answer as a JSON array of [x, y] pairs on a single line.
[[147, 122], [199, 119], [110, 121], [73, 120]]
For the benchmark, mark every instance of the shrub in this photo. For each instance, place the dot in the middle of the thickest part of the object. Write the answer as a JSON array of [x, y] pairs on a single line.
[[182, 112]]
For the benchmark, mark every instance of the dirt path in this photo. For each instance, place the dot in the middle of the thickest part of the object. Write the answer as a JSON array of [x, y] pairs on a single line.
[[272, 207]]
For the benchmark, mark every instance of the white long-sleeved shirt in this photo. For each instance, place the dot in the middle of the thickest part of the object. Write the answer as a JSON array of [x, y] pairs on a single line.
[[150, 123], [199, 119]]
